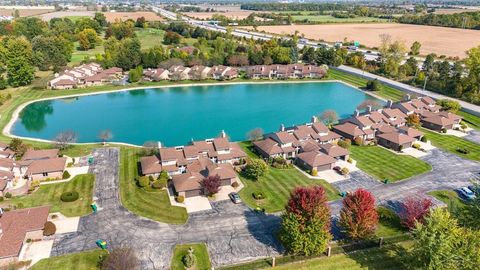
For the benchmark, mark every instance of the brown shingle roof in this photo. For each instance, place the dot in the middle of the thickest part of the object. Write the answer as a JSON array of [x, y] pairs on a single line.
[[397, 138], [315, 159], [15, 225], [269, 146], [150, 165], [333, 150], [40, 154], [221, 144], [350, 129], [438, 120], [47, 165], [187, 181], [414, 133], [224, 171]]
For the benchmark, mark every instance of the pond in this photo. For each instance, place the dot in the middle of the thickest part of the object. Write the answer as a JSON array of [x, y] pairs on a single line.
[[176, 115]]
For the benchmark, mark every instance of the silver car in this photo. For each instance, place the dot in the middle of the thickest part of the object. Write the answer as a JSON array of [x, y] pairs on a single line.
[[235, 197]]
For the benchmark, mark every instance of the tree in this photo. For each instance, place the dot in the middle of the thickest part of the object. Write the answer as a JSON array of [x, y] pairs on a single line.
[[87, 39], [121, 259], [211, 184], [436, 241], [415, 48], [134, 75], [141, 22], [65, 138], [413, 120], [121, 30], [49, 228], [255, 134], [171, 38], [189, 260], [51, 51], [20, 72], [359, 217], [17, 146], [329, 117], [449, 105], [472, 62], [100, 19], [255, 168], [369, 103], [238, 60], [413, 210], [374, 85], [305, 226], [105, 135]]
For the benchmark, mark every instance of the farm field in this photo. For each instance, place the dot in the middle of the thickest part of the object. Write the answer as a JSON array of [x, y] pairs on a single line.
[[148, 15], [237, 15], [439, 40], [331, 19], [62, 14], [455, 10], [24, 11]]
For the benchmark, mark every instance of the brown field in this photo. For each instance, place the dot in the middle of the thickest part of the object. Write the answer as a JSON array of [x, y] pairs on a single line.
[[454, 10], [236, 15], [24, 12], [440, 40], [123, 16]]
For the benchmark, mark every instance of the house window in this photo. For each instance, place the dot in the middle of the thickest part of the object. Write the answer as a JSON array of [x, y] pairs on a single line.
[[45, 174]]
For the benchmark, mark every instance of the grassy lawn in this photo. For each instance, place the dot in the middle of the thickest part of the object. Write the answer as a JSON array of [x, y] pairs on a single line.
[[150, 37], [277, 185], [200, 251], [386, 92], [387, 257], [50, 195], [389, 225], [472, 120], [153, 205], [87, 260], [384, 164], [449, 197], [452, 143]]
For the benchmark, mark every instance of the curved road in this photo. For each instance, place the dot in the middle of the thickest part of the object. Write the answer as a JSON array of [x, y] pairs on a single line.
[[233, 233]]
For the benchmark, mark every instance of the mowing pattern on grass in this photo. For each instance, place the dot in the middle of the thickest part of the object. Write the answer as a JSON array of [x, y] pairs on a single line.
[[452, 143], [383, 164], [277, 185], [50, 195], [386, 92], [87, 260], [472, 120], [200, 251], [449, 197], [153, 205]]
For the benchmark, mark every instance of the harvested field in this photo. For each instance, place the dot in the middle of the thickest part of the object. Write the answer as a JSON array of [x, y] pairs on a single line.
[[455, 10], [123, 16], [62, 14], [237, 15], [440, 40], [24, 12]]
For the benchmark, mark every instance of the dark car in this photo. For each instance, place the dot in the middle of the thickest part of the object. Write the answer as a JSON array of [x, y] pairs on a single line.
[[235, 197], [337, 169]]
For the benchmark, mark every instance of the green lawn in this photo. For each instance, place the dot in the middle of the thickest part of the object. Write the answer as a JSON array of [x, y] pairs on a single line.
[[50, 195], [452, 143], [87, 260], [153, 205], [449, 197], [389, 225], [385, 258], [200, 251], [386, 92], [331, 19], [150, 37], [277, 186], [384, 164], [472, 120]]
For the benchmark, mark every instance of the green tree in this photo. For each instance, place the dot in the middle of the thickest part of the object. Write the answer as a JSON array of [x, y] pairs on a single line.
[[87, 39], [305, 227], [472, 62], [20, 72], [256, 168], [415, 48], [449, 105], [100, 19], [51, 51], [134, 75], [121, 30]]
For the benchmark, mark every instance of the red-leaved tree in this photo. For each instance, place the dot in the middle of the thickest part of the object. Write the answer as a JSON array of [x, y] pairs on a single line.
[[414, 209], [211, 184], [306, 222], [358, 216]]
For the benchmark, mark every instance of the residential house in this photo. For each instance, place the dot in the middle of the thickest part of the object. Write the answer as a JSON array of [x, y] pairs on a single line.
[[5, 151], [179, 73], [437, 122], [395, 140], [18, 225], [335, 151], [315, 160], [156, 74], [411, 132], [43, 169], [351, 131], [199, 72], [223, 73]]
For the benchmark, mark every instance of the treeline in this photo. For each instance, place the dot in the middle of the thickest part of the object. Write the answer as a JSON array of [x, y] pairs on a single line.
[[468, 20], [293, 6]]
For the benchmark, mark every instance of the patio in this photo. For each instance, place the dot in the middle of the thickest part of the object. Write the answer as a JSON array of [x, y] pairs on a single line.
[[35, 251]]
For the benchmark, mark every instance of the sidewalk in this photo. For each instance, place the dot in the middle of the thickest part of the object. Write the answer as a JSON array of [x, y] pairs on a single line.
[[467, 107]]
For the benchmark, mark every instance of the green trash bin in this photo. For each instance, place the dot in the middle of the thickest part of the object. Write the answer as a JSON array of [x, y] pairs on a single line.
[[101, 244], [385, 181], [94, 207], [90, 160]]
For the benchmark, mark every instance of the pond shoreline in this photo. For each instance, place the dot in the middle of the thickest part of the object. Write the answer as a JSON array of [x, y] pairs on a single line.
[[7, 130]]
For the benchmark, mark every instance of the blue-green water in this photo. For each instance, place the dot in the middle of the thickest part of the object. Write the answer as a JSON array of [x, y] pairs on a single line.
[[176, 115]]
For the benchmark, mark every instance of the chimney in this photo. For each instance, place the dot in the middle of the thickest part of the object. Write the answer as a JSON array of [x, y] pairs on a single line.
[[282, 127], [389, 103], [314, 119], [406, 97], [159, 145], [356, 113], [369, 109], [223, 134]]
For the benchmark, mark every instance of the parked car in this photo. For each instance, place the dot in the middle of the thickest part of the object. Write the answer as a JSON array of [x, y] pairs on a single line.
[[338, 169], [234, 197], [474, 189], [466, 193]]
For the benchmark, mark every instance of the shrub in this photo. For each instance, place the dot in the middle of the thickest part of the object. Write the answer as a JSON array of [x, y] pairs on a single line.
[[8, 195], [444, 130], [345, 143], [65, 175], [150, 178], [157, 184], [387, 214], [350, 160], [211, 184], [423, 139], [416, 146], [374, 85], [29, 240], [255, 168], [463, 125], [69, 196], [143, 181], [258, 195], [358, 141], [464, 151], [345, 171], [189, 260], [314, 172], [180, 199], [49, 228], [235, 184]]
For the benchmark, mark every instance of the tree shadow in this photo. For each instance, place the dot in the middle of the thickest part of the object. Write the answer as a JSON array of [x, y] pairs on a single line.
[[391, 256], [264, 228]]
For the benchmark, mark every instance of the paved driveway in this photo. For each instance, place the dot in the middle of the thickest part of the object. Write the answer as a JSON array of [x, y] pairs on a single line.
[[474, 136], [233, 233]]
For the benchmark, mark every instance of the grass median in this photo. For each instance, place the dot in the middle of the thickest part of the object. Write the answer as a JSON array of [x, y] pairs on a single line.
[[452, 144], [201, 254], [87, 260], [384, 164]]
